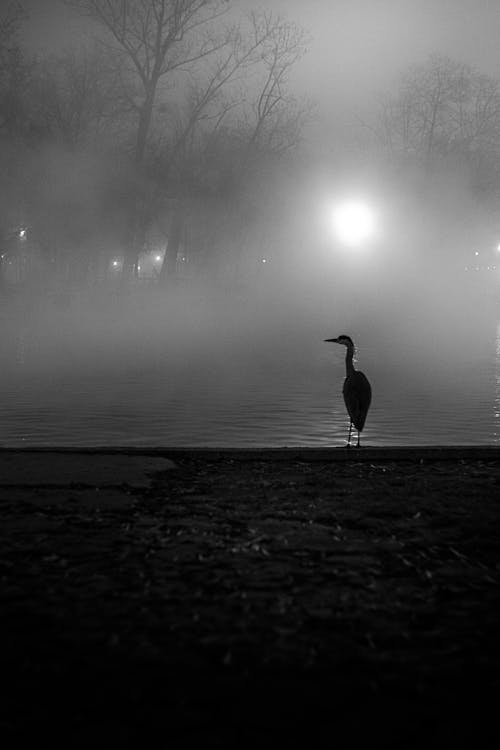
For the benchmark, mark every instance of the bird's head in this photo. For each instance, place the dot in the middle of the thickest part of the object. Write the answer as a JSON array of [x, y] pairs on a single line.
[[344, 340]]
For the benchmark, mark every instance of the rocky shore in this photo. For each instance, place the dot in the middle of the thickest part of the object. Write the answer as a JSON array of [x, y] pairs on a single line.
[[322, 599]]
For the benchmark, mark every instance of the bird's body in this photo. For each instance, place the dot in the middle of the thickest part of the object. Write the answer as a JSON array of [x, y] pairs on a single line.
[[357, 391]]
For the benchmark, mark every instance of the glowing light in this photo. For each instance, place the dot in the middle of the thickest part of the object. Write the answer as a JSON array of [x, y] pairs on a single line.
[[157, 258], [264, 260], [476, 253], [22, 234], [115, 264], [354, 223]]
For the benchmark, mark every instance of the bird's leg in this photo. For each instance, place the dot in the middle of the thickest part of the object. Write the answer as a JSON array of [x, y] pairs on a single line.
[[349, 438]]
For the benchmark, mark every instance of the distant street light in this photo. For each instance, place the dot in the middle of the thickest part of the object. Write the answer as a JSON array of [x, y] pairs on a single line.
[[354, 223]]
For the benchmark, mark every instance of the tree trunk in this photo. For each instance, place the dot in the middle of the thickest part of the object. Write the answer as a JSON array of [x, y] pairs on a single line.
[[133, 245], [145, 115], [135, 240], [168, 272]]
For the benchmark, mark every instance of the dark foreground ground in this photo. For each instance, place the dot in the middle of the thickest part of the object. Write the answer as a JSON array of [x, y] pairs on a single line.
[[240, 602]]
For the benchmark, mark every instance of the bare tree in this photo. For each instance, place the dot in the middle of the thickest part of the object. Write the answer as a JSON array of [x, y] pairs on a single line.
[[152, 39], [239, 110], [445, 114], [276, 115], [187, 75], [74, 101], [249, 80], [15, 71]]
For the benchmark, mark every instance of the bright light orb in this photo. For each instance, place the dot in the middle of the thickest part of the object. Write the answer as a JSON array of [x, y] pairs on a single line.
[[354, 223]]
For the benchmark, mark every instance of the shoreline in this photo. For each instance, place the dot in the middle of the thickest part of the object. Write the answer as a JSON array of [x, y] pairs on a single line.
[[263, 453]]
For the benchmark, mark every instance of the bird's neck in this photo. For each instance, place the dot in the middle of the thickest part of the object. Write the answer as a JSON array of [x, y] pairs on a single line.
[[349, 367]]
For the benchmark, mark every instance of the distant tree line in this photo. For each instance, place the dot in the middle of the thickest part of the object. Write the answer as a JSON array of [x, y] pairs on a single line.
[[171, 125], [437, 134], [444, 117]]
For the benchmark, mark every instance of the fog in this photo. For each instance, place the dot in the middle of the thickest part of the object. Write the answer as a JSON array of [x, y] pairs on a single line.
[[223, 355], [152, 298]]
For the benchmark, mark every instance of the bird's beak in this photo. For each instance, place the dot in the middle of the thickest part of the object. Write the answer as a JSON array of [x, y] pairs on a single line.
[[335, 340]]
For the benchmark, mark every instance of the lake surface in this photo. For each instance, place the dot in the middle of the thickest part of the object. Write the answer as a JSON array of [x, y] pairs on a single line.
[[87, 384]]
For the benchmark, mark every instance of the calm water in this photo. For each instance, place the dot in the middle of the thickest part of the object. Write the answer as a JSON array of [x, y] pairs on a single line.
[[64, 385]]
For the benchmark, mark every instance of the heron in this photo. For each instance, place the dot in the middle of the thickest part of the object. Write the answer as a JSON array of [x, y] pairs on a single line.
[[357, 390]]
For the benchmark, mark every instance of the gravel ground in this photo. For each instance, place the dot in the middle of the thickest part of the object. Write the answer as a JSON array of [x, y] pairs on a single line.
[[234, 603]]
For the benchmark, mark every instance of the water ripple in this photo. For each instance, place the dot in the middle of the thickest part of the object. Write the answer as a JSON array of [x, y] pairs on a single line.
[[168, 402]]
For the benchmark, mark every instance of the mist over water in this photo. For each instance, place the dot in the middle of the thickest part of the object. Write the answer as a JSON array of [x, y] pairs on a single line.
[[219, 367]]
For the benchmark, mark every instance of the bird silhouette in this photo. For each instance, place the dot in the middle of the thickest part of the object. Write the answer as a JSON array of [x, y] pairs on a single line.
[[357, 390]]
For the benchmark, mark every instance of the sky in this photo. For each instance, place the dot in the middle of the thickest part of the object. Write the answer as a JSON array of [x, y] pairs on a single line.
[[358, 47]]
